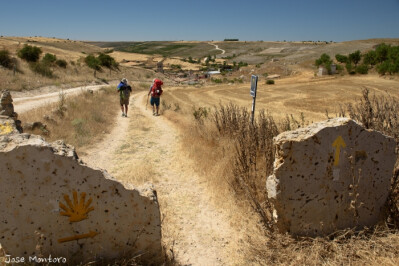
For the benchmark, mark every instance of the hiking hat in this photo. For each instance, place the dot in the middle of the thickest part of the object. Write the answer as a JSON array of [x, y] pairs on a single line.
[[124, 80]]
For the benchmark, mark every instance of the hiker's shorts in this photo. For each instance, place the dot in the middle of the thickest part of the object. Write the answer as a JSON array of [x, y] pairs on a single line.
[[124, 101], [155, 101]]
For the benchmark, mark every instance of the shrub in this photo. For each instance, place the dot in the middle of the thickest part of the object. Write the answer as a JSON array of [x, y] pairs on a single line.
[[362, 69], [325, 61], [340, 68], [341, 58], [216, 80], [270, 81], [30, 53], [200, 114], [106, 60], [49, 58], [61, 63], [355, 57], [5, 59], [254, 154], [42, 68], [382, 52], [349, 68], [370, 58], [93, 62]]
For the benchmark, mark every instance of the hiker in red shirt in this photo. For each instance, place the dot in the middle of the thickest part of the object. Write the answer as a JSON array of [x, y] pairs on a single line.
[[155, 91]]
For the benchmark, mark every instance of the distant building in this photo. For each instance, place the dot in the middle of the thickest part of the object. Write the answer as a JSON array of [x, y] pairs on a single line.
[[210, 73], [160, 67], [322, 71]]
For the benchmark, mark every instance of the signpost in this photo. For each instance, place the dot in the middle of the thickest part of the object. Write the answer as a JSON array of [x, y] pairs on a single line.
[[254, 85]]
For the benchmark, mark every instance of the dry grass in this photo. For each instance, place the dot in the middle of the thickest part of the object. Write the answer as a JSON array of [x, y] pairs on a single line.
[[80, 120]]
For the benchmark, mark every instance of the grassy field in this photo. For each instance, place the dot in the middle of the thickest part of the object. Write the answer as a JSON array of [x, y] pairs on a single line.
[[180, 49]]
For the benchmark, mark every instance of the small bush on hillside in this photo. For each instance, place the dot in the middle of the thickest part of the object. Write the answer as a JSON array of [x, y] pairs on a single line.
[[61, 63], [349, 68], [30, 53], [370, 58], [341, 58], [216, 80], [93, 62], [49, 58], [106, 60], [325, 61], [355, 57], [5, 59], [362, 69], [42, 68], [270, 81]]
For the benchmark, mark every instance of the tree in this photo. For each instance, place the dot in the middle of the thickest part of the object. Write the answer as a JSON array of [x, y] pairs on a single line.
[[341, 58], [106, 60], [93, 62], [325, 61], [30, 53], [355, 57], [382, 52], [370, 58]]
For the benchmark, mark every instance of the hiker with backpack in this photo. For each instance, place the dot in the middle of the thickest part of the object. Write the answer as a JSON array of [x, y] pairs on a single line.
[[156, 92], [124, 93]]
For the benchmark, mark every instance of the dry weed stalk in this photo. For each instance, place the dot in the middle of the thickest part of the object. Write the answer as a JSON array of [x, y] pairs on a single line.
[[254, 154]]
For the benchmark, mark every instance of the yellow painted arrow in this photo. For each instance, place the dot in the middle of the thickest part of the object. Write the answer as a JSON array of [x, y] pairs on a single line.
[[77, 237], [337, 144]]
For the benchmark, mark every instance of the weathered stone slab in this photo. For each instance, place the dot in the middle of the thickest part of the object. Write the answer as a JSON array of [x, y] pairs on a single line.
[[53, 205], [6, 106], [330, 176]]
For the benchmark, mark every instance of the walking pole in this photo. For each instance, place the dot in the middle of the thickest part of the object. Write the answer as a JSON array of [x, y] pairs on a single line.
[[148, 96]]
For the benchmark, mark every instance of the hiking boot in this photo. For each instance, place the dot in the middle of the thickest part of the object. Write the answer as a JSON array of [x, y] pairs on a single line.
[[123, 114]]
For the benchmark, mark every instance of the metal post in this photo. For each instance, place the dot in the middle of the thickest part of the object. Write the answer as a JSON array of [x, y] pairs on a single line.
[[253, 110], [254, 84]]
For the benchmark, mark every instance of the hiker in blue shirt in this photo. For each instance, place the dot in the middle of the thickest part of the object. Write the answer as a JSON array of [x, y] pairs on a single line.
[[124, 93]]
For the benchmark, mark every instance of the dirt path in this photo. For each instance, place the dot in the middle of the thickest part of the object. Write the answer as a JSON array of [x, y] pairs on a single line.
[[146, 148], [217, 48], [24, 104]]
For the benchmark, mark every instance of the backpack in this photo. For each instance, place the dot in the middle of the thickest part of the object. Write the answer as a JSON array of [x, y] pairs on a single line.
[[124, 90], [156, 89]]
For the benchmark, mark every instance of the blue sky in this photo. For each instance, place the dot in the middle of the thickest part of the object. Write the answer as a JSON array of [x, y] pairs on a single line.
[[252, 20]]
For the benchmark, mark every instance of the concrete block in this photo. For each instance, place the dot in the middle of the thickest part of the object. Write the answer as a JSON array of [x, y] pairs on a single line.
[[330, 176], [53, 205]]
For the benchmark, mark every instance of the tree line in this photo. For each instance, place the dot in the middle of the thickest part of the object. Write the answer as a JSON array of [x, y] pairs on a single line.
[[384, 59]]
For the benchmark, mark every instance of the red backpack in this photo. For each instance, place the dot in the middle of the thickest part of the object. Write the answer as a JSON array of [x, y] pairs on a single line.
[[156, 89]]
